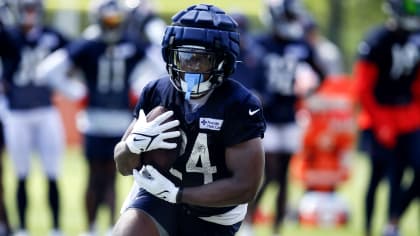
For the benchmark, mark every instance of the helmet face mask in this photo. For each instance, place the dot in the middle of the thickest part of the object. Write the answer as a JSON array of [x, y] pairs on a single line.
[[195, 70], [111, 19]]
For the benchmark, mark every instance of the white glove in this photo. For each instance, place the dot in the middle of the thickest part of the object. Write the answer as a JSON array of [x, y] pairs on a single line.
[[155, 183], [147, 136]]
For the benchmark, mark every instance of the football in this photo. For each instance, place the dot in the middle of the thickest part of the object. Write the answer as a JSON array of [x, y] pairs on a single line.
[[161, 159]]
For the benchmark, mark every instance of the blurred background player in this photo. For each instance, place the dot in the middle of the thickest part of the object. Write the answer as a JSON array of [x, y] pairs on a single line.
[[33, 123], [389, 88], [144, 25], [6, 19], [287, 57], [329, 55], [107, 62]]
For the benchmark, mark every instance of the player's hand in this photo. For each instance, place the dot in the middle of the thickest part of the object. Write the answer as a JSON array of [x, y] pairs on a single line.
[[155, 183], [147, 136]]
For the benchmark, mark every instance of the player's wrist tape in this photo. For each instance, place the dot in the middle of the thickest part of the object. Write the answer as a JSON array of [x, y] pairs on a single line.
[[179, 195]]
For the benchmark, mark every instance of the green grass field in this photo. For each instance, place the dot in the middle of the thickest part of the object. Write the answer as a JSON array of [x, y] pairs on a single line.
[[73, 180]]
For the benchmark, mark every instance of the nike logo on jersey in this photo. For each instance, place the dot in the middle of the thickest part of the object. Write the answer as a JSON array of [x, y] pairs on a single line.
[[251, 112]]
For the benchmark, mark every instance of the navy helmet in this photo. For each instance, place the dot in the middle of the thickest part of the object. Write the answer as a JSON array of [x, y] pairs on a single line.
[[200, 48], [109, 15], [406, 13], [285, 17]]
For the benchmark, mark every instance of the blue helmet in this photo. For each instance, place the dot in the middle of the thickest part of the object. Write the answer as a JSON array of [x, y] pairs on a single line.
[[285, 17], [405, 12], [200, 48]]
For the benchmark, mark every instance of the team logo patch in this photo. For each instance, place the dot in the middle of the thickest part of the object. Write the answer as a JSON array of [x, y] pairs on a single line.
[[209, 123]]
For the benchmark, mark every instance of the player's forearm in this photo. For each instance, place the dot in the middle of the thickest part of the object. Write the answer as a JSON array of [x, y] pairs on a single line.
[[242, 187], [221, 193], [125, 160]]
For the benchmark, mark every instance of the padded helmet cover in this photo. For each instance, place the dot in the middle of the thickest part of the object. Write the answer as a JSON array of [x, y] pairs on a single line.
[[204, 25]]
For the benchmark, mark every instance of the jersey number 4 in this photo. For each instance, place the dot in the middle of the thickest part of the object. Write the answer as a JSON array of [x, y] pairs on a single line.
[[199, 161]]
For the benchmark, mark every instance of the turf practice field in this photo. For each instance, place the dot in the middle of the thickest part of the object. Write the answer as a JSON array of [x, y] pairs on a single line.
[[73, 182]]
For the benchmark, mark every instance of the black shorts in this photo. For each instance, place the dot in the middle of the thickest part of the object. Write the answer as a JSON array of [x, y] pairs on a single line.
[[177, 220], [406, 151]]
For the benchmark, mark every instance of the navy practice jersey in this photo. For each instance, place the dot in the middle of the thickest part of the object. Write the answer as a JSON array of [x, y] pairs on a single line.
[[396, 56], [278, 75], [230, 116], [249, 65], [20, 55], [107, 70]]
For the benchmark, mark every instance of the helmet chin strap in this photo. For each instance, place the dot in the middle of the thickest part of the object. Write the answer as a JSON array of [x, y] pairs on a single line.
[[192, 81]]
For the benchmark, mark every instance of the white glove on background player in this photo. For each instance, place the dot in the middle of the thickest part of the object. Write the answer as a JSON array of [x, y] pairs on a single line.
[[155, 183], [147, 136]]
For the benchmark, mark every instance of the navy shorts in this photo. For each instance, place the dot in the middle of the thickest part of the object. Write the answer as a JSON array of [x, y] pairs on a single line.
[[406, 151], [100, 148], [177, 220], [374, 150]]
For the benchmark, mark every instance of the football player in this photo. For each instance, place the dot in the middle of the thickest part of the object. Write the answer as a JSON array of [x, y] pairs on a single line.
[[4, 221], [107, 63], [286, 56], [220, 167], [388, 85], [33, 123], [329, 54], [144, 25]]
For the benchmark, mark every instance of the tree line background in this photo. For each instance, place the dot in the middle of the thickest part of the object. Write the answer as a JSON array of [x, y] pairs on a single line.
[[345, 22]]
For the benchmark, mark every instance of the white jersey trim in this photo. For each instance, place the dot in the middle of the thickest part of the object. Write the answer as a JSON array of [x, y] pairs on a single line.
[[231, 217]]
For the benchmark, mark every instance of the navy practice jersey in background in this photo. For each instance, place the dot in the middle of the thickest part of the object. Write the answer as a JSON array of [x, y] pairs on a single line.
[[230, 116], [278, 75], [20, 55], [107, 70], [249, 66], [395, 54]]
